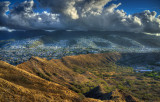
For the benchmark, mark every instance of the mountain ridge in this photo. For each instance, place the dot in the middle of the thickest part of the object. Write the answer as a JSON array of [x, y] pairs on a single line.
[[72, 79], [18, 84]]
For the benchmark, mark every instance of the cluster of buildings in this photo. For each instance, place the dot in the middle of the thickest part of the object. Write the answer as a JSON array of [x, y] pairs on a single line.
[[18, 55]]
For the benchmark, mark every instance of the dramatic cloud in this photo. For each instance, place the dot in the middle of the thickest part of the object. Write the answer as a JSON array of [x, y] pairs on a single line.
[[149, 21], [75, 8], [78, 15], [23, 17]]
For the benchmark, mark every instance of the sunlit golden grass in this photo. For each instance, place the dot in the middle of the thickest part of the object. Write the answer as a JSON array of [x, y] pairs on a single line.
[[16, 83], [70, 78]]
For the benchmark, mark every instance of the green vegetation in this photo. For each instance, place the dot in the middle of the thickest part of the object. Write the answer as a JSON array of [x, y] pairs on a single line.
[[78, 70], [155, 75], [138, 85], [43, 76]]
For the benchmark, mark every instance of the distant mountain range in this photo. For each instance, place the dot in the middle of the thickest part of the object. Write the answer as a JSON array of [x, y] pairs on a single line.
[[104, 39], [18, 46]]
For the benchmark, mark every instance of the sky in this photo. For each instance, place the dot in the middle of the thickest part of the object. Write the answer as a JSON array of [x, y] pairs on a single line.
[[114, 15], [134, 6], [36, 9], [129, 6]]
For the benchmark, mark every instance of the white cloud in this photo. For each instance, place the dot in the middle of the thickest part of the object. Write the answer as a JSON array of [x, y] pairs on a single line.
[[150, 22], [112, 7], [6, 29]]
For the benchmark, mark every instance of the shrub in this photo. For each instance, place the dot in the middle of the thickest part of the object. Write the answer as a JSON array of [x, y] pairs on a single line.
[[43, 76]]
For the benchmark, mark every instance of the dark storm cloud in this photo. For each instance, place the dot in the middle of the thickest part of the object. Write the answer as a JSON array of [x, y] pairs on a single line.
[[23, 17], [25, 7], [78, 15], [3, 9]]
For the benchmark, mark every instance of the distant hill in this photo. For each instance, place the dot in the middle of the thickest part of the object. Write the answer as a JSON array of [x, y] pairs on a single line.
[[108, 38], [18, 46]]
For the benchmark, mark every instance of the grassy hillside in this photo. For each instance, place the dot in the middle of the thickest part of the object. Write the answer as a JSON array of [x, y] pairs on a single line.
[[88, 76], [56, 71], [79, 73], [17, 85]]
